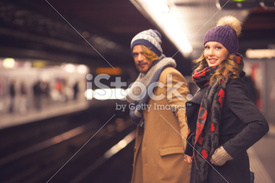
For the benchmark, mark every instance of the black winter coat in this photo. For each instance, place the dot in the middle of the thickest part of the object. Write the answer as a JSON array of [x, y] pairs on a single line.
[[242, 125]]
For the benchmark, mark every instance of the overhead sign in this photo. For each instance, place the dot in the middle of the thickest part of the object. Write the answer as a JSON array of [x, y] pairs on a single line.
[[237, 4]]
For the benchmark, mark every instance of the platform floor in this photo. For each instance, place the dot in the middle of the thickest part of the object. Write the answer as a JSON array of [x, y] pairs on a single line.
[[13, 119]]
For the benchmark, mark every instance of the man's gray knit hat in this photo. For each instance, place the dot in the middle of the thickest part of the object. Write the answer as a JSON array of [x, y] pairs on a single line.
[[150, 38]]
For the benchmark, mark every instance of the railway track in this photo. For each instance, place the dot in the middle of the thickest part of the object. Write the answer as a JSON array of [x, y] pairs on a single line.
[[69, 148]]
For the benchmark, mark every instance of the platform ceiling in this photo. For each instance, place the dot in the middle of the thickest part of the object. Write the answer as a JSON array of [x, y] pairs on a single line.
[[98, 32]]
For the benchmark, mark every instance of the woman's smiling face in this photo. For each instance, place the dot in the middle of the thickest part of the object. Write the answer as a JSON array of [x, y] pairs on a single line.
[[214, 53]]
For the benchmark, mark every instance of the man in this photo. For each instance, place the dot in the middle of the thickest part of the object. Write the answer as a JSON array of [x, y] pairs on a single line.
[[158, 96]]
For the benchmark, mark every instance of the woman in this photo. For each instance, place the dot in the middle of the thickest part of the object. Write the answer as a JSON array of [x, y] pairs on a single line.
[[223, 122]]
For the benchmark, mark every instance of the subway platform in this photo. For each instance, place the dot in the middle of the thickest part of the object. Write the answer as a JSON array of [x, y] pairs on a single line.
[[261, 154], [16, 118]]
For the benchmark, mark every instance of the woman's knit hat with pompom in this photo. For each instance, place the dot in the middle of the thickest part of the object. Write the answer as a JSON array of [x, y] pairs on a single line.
[[226, 32]]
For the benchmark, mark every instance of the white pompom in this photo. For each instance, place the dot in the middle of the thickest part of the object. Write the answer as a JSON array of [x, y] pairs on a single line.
[[231, 21]]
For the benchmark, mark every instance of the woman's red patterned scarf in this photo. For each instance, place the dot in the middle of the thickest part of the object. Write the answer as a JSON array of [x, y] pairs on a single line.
[[209, 116]]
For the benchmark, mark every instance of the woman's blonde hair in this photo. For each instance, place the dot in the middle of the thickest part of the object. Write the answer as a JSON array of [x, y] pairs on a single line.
[[227, 69], [149, 54]]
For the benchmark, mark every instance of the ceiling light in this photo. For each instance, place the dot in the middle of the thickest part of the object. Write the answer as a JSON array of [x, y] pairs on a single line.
[[70, 68], [82, 69], [9, 63], [168, 22]]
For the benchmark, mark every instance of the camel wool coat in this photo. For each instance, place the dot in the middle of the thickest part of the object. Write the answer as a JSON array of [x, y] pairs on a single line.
[[161, 141]]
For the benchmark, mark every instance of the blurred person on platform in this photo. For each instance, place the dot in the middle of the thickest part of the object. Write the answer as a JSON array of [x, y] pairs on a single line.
[[157, 106], [223, 122], [75, 90], [23, 105], [45, 88], [12, 93], [37, 92]]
